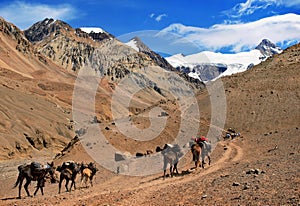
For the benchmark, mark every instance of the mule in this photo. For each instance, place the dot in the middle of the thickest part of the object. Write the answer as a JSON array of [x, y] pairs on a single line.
[[68, 171], [202, 149], [34, 172], [206, 150], [87, 173], [196, 152], [171, 155]]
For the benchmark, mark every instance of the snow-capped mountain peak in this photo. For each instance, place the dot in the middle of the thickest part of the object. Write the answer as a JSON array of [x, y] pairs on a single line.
[[209, 65], [267, 48], [137, 44]]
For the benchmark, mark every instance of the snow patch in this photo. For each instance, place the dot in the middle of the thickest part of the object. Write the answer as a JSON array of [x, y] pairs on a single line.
[[244, 58], [235, 63], [133, 44], [92, 29], [194, 75]]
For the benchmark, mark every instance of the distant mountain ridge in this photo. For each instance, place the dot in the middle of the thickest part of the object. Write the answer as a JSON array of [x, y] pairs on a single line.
[[44, 28], [207, 66], [73, 48], [137, 44]]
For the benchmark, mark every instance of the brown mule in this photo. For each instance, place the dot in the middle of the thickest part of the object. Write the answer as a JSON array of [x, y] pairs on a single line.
[[196, 151]]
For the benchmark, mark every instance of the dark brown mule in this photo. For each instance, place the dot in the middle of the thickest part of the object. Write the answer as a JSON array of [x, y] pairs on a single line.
[[68, 171], [34, 172], [171, 155]]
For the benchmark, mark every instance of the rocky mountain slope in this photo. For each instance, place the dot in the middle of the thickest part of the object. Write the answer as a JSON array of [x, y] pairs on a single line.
[[46, 68], [73, 48], [34, 121], [137, 44], [57, 40]]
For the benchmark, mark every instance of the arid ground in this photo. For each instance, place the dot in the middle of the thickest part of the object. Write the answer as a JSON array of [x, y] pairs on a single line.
[[261, 167]]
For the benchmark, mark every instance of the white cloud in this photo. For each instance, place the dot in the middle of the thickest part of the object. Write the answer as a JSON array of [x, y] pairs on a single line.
[[157, 18], [24, 14], [238, 37], [250, 6], [152, 15]]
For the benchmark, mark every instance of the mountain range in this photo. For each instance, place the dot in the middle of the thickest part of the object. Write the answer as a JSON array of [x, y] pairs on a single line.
[[51, 53], [203, 66], [43, 63], [207, 65], [43, 67]]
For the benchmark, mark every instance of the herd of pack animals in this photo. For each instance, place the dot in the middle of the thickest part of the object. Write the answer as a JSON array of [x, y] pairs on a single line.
[[69, 170]]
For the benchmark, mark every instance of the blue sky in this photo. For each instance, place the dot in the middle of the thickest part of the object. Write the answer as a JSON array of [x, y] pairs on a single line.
[[172, 26]]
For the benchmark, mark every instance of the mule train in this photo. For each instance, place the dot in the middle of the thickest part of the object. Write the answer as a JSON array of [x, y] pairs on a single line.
[[70, 169], [68, 172]]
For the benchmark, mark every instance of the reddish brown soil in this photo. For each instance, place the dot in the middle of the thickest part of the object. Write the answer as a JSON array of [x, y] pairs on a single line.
[[275, 155], [262, 103]]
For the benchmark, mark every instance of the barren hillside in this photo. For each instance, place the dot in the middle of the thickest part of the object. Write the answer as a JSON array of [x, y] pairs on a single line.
[[261, 167]]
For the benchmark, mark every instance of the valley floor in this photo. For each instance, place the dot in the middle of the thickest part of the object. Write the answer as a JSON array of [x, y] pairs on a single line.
[[251, 170]]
